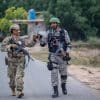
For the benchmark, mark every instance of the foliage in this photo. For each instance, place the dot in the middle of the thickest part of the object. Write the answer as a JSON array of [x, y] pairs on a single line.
[[3, 7], [16, 13], [4, 25], [94, 41], [47, 17], [80, 17], [10, 14]]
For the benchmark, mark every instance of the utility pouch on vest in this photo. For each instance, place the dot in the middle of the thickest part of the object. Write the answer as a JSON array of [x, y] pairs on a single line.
[[67, 57], [49, 66], [6, 60]]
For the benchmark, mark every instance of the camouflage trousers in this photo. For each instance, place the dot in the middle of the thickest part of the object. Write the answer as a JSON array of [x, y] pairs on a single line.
[[16, 73], [59, 67]]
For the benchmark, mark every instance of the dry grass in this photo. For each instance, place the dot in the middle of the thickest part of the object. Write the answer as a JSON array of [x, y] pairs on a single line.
[[80, 55], [84, 56], [41, 55]]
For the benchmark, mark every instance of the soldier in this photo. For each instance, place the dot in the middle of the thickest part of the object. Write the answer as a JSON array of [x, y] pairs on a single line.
[[58, 44], [16, 61]]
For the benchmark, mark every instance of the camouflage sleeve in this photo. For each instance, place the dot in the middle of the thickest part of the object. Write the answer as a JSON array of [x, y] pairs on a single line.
[[67, 39], [5, 44]]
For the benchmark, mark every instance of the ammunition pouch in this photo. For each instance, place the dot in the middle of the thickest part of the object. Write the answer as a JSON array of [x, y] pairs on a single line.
[[6, 60], [50, 66]]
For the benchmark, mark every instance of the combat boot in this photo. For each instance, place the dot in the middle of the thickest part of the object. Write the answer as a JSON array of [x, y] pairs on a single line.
[[20, 94], [64, 90], [55, 94], [13, 92]]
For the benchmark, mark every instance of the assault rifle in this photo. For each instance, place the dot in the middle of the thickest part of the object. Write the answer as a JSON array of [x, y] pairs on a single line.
[[20, 48], [60, 50]]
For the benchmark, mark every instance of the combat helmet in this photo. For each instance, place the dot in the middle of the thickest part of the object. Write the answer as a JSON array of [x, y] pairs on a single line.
[[14, 26], [54, 19]]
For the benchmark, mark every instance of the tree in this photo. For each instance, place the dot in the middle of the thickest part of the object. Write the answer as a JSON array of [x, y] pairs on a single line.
[[12, 13], [16, 13], [77, 16], [20, 13], [3, 7], [4, 25], [52, 6]]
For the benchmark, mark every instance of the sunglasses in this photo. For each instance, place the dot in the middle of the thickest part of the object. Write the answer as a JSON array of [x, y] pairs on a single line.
[[16, 30]]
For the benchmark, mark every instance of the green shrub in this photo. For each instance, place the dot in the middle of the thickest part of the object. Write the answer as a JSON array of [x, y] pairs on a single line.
[[94, 41], [4, 25]]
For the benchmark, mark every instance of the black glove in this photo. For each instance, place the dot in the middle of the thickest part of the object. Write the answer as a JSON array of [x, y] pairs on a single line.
[[49, 66], [67, 57], [42, 44]]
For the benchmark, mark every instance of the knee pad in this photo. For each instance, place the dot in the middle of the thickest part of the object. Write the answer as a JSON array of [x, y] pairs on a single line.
[[50, 66], [64, 77]]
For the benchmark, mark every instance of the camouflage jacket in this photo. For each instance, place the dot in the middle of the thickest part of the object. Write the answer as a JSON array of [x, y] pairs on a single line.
[[6, 47]]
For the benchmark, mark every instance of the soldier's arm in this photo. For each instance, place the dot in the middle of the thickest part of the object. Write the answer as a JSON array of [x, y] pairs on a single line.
[[27, 41], [67, 40], [5, 46]]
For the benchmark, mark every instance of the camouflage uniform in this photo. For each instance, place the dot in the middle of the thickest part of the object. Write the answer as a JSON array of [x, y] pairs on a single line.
[[16, 65], [59, 46], [59, 65]]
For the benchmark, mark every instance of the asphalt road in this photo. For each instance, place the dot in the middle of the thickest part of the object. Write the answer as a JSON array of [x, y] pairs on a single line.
[[37, 84]]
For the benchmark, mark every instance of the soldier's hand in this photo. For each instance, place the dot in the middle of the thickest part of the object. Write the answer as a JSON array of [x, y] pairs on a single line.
[[13, 46], [8, 46], [68, 56], [67, 53]]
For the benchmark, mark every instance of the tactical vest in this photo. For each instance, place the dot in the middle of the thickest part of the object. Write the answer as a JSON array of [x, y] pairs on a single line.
[[12, 52], [53, 40]]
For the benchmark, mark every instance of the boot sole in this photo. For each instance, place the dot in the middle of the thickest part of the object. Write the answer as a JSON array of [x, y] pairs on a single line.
[[55, 96], [21, 95]]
